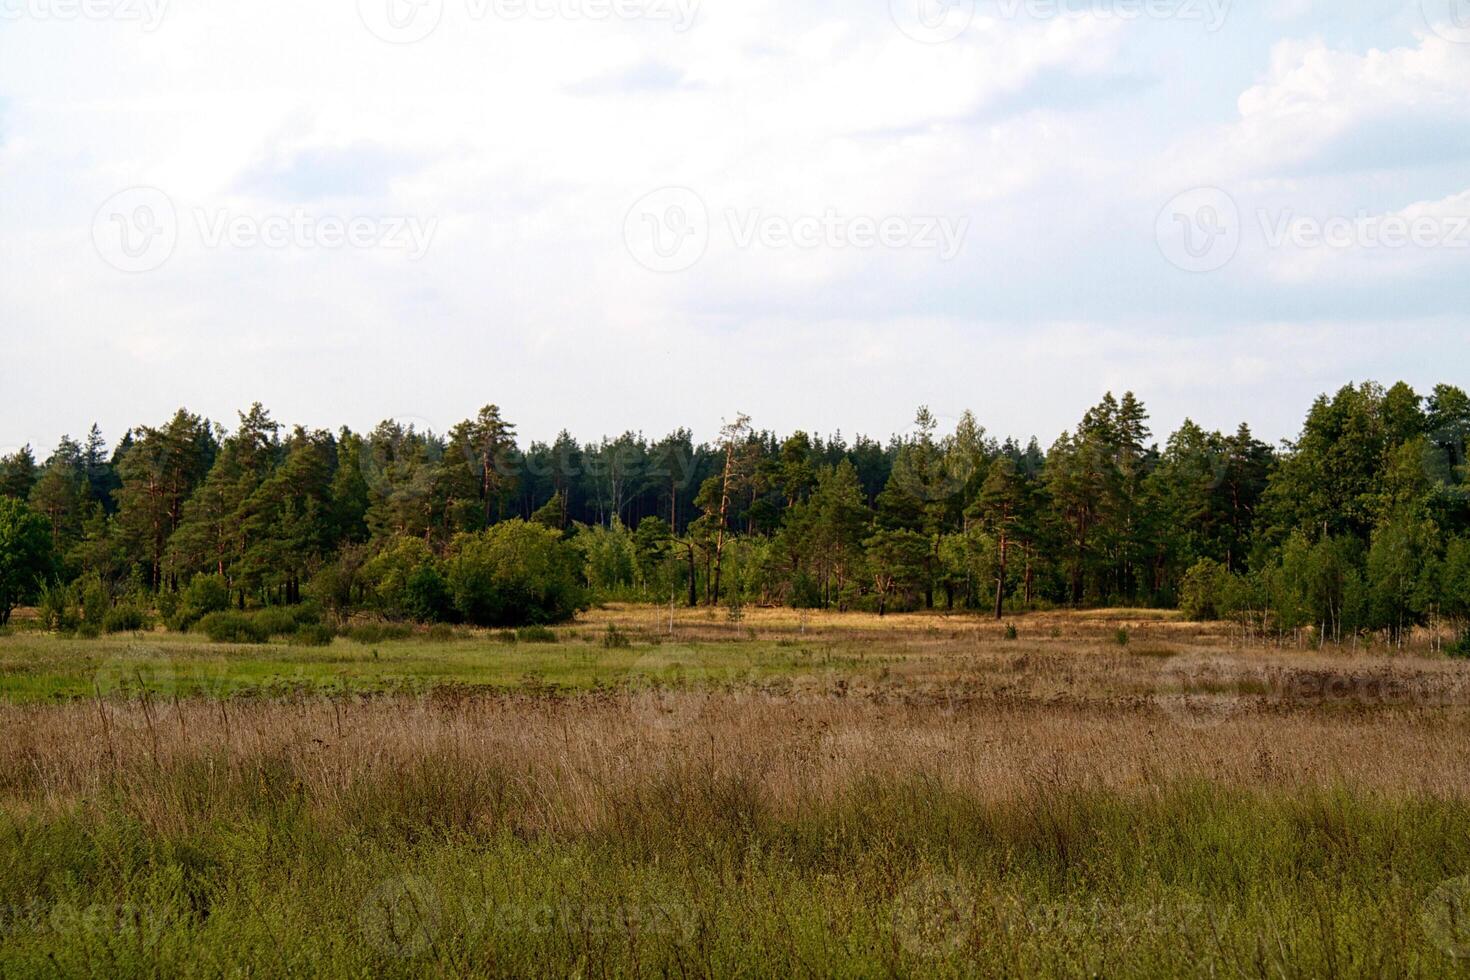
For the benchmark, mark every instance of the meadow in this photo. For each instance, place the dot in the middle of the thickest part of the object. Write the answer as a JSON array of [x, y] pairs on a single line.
[[1110, 794]]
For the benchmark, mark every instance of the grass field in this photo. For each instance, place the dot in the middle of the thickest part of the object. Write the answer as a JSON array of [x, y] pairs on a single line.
[[784, 795]]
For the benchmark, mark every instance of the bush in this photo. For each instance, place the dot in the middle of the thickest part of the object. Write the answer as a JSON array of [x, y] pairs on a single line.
[[370, 633], [1121, 637], [232, 627], [1202, 593], [1011, 632], [56, 609], [1460, 647], [535, 634], [204, 595], [442, 633], [124, 618], [515, 574], [276, 621], [426, 595], [313, 635], [615, 639]]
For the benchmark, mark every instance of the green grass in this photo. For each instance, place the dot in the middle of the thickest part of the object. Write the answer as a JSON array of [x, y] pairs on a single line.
[[700, 877], [39, 668]]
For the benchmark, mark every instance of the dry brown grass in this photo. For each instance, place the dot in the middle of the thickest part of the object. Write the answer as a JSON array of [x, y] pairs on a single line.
[[1057, 804]]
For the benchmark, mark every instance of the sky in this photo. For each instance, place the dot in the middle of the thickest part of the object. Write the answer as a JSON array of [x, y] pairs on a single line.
[[610, 215]]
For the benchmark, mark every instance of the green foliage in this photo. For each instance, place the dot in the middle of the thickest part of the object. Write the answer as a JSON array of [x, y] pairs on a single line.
[[1202, 594], [615, 639], [232, 627], [370, 633], [26, 557], [1349, 529], [515, 573], [609, 558], [204, 595], [57, 608], [276, 620], [313, 635], [535, 634], [1120, 637], [403, 579], [125, 618]]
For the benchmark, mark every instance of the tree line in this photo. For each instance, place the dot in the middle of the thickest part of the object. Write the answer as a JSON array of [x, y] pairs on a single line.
[[1360, 524]]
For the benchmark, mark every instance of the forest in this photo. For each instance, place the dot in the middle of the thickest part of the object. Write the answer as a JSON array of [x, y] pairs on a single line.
[[1359, 526]]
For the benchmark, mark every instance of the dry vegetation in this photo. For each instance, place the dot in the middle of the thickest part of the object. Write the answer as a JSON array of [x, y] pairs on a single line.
[[926, 796]]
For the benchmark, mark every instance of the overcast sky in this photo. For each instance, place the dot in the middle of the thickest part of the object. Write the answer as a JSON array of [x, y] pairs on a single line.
[[637, 214]]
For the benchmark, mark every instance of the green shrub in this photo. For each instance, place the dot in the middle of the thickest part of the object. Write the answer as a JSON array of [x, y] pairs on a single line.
[[535, 634], [1121, 637], [1202, 593], [88, 631], [96, 601], [231, 627], [515, 574], [442, 633], [1460, 648], [1011, 632], [124, 618], [370, 633], [57, 611], [205, 594], [505, 636], [276, 620], [313, 635], [615, 639]]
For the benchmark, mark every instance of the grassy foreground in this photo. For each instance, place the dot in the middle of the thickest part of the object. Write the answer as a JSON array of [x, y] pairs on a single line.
[[841, 797]]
